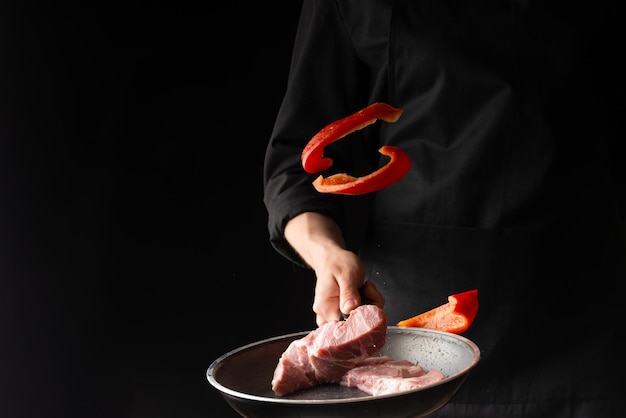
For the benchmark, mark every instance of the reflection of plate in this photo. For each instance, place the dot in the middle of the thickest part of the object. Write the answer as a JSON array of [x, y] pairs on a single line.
[[243, 376]]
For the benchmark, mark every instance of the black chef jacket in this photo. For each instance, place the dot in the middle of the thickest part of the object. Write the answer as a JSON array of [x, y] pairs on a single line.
[[511, 116]]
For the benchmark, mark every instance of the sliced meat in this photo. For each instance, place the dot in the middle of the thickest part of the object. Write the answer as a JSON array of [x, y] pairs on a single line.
[[327, 353], [389, 385], [390, 377], [364, 374]]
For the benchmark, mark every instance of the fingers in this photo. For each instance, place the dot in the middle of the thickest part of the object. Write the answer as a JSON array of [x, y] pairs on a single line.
[[330, 296], [336, 287], [326, 302], [349, 298]]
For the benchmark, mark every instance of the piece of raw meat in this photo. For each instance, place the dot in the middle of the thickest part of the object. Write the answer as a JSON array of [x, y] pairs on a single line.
[[385, 367], [388, 377], [327, 353]]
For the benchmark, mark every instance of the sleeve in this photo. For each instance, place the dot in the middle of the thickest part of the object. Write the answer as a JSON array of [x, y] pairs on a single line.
[[325, 83]]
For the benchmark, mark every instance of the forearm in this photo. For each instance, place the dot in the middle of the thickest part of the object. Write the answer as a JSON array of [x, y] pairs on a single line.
[[313, 235]]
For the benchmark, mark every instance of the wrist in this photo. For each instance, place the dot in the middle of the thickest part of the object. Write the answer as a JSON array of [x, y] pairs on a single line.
[[313, 235]]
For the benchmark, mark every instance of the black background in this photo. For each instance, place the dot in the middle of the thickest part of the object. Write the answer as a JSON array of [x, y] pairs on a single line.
[[133, 247]]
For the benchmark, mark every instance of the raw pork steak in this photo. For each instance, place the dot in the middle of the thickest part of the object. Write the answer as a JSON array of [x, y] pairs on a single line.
[[386, 376], [327, 353]]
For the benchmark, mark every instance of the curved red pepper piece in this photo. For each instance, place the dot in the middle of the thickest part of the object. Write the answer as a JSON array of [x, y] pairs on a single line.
[[313, 159], [342, 183], [455, 316]]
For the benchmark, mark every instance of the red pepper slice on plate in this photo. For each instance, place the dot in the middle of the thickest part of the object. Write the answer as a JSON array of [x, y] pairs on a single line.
[[455, 316], [313, 159], [398, 165]]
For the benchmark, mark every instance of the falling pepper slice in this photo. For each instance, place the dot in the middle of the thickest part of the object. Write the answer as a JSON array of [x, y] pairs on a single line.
[[397, 167], [313, 159], [455, 316]]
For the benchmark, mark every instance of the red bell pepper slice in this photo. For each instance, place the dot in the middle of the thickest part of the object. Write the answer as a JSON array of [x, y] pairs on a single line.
[[397, 167], [455, 316], [313, 159]]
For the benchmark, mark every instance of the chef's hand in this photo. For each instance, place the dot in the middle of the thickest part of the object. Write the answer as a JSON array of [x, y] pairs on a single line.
[[339, 272]]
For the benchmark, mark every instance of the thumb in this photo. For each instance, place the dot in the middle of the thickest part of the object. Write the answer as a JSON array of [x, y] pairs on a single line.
[[349, 299]]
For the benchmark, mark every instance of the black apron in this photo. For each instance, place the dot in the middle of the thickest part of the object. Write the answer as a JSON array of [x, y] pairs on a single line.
[[511, 192], [498, 201], [548, 320]]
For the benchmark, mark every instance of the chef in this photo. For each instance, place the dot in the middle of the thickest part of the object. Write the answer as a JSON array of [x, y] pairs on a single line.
[[510, 114]]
